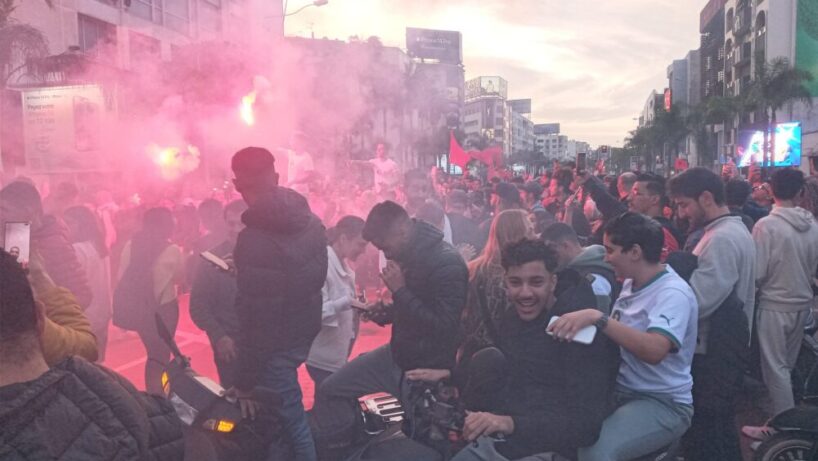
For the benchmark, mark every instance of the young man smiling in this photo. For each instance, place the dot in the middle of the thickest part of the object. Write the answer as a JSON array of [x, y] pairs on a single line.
[[654, 323], [556, 393]]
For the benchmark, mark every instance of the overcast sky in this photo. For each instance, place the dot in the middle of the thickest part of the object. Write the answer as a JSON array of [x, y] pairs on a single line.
[[588, 64]]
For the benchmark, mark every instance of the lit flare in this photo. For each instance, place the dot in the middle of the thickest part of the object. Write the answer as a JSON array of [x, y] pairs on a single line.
[[246, 109]]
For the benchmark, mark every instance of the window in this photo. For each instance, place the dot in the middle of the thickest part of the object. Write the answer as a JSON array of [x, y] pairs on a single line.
[[144, 9], [177, 15], [143, 48], [97, 38], [210, 15], [720, 76]]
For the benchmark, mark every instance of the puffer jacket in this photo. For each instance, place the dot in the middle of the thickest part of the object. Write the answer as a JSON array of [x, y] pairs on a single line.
[[60, 260], [281, 264], [67, 330], [426, 330], [78, 410]]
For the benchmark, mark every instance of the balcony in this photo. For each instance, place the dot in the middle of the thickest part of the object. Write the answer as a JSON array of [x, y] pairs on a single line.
[[743, 55], [743, 21]]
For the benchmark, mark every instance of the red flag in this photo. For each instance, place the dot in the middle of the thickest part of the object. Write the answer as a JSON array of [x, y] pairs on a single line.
[[457, 155], [492, 156]]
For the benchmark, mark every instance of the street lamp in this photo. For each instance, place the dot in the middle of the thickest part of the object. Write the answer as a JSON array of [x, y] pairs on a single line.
[[315, 3]]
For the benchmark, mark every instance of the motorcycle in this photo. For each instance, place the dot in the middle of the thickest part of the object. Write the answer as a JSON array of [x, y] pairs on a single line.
[[213, 424], [796, 437]]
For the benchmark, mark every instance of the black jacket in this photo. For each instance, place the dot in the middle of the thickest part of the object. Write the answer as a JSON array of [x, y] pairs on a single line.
[[281, 264], [426, 312], [213, 298], [558, 393], [78, 410]]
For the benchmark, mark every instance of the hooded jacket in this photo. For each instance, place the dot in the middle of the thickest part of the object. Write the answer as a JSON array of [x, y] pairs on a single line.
[[592, 262], [426, 312], [78, 410], [60, 260], [786, 257], [281, 264], [67, 330]]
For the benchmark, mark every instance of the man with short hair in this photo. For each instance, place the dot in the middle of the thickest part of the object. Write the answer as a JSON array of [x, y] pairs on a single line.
[[531, 195], [73, 409], [624, 185], [428, 281], [786, 245], [649, 198], [726, 265], [281, 266], [556, 393], [737, 192], [213, 297], [654, 323], [589, 262]]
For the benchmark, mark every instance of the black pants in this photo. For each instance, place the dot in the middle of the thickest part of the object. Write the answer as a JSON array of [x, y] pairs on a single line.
[[157, 351], [712, 434]]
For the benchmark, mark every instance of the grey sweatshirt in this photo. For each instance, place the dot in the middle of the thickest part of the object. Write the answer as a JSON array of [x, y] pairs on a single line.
[[786, 258], [726, 261], [592, 261]]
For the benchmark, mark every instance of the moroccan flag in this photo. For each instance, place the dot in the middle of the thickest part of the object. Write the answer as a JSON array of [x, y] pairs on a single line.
[[457, 155], [492, 156]]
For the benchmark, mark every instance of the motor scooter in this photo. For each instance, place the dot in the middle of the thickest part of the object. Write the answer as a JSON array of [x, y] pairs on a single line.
[[213, 422]]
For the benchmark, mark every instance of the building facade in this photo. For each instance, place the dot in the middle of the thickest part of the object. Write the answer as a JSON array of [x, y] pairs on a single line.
[[486, 112]]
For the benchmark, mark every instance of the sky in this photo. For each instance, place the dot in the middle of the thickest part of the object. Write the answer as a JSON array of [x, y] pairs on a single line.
[[587, 64]]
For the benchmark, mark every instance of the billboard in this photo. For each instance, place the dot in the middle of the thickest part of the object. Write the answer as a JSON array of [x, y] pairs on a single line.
[[521, 106], [547, 128], [749, 148], [62, 128], [668, 99], [442, 45], [486, 86], [806, 41]]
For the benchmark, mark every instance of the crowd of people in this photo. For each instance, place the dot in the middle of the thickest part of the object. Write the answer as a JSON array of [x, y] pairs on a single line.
[[581, 316]]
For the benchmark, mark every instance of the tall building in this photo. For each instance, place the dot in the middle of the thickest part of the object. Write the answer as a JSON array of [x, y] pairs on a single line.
[[522, 128], [486, 112], [655, 102], [128, 30], [554, 146], [763, 30], [711, 49]]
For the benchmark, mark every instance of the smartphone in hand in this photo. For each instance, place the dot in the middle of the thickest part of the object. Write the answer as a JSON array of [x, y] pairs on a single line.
[[17, 241], [215, 260]]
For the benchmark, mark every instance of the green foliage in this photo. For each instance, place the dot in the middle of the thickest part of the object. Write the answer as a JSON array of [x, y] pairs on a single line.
[[18, 42]]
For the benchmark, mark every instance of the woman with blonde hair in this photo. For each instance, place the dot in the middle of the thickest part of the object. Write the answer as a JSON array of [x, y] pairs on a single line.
[[487, 300]]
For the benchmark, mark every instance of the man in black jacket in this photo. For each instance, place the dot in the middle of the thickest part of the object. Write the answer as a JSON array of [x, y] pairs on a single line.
[[213, 297], [281, 265], [428, 280], [556, 393], [75, 409]]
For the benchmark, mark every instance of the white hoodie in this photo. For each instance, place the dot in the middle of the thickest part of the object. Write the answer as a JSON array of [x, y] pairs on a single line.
[[786, 258]]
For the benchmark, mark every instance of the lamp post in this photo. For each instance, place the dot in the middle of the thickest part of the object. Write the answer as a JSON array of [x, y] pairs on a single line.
[[284, 15]]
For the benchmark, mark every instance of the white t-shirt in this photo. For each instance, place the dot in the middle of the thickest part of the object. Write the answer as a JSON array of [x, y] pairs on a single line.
[[667, 306], [387, 173]]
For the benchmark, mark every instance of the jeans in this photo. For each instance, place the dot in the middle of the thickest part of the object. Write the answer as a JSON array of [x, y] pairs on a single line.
[[335, 411], [280, 374], [318, 376], [640, 425], [158, 353]]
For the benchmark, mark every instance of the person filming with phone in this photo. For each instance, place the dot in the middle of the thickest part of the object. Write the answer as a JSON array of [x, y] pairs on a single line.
[[654, 321]]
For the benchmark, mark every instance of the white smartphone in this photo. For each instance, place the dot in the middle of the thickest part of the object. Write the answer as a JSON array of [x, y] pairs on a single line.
[[583, 336], [18, 241], [215, 260]]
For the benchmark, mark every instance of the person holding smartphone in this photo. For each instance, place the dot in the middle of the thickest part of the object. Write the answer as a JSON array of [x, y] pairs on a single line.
[[339, 312]]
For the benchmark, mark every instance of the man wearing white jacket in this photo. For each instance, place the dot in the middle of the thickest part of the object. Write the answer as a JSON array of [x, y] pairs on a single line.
[[786, 257], [331, 348]]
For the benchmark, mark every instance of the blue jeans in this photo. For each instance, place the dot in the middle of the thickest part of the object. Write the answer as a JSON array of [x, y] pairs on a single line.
[[640, 424], [280, 374]]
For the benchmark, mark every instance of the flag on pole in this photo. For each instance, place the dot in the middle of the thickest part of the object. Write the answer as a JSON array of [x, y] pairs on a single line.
[[457, 155]]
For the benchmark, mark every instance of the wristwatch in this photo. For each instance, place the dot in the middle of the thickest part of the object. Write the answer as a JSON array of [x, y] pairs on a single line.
[[602, 323]]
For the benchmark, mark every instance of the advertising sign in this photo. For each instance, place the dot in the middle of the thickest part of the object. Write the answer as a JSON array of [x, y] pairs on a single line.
[[62, 128], [668, 99], [634, 166], [806, 41], [443, 45], [486, 86]]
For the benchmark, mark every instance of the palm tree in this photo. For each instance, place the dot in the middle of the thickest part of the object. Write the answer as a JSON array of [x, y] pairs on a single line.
[[18, 42], [776, 85]]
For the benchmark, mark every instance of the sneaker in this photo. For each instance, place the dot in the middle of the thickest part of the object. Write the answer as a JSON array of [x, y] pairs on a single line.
[[758, 432], [754, 445]]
